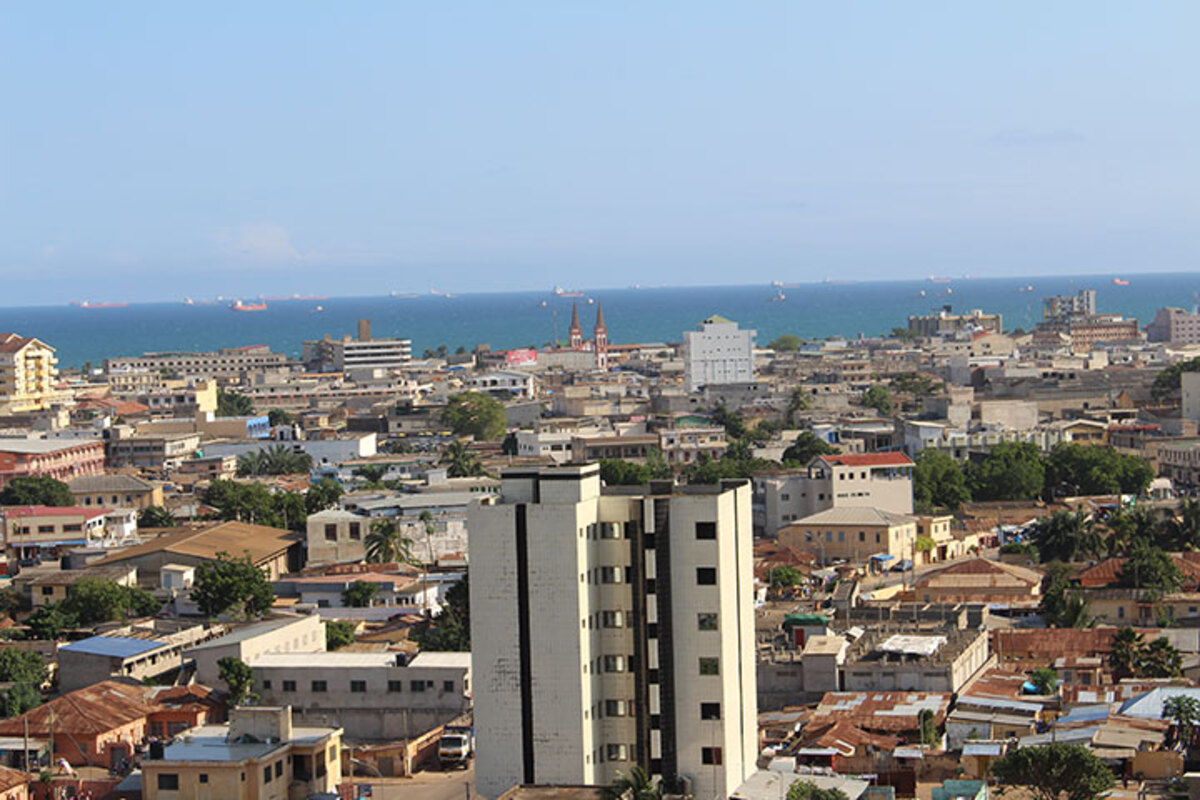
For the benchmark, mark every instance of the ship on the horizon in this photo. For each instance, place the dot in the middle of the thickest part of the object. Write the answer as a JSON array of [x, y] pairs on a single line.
[[1120, 282], [238, 305], [404, 295], [561, 292], [293, 297], [939, 279], [441, 293], [90, 304]]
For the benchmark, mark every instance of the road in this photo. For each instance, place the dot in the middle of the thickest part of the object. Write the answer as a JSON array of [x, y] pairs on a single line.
[[458, 785]]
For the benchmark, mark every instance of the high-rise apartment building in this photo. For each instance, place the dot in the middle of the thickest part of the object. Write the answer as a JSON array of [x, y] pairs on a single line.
[[718, 353], [612, 628], [27, 374], [365, 352]]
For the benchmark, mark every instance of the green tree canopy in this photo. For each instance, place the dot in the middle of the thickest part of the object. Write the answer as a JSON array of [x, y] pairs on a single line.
[[228, 584], [255, 503], [238, 676], [1075, 469], [360, 594], [386, 543], [879, 398], [1167, 383], [1044, 680], [1066, 536], [1055, 771], [450, 631], [22, 666], [637, 785], [338, 634], [1184, 713], [19, 698], [787, 343], [786, 577], [233, 404], [1011, 471], [616, 472], [36, 491], [475, 414], [938, 482], [94, 600], [461, 462], [806, 447], [806, 790], [798, 400], [49, 622], [277, 416], [323, 494], [1060, 607], [1125, 653], [1149, 567], [156, 517]]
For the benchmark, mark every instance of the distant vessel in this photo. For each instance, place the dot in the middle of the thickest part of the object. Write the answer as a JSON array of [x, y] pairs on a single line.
[[837, 282], [317, 310], [293, 297], [187, 301], [238, 305], [1026, 288], [405, 295], [561, 292], [89, 304], [778, 298], [938, 279], [440, 293], [1120, 282], [782, 285]]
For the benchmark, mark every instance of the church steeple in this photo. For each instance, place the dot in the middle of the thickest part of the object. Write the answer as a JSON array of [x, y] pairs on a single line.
[[601, 339], [576, 332]]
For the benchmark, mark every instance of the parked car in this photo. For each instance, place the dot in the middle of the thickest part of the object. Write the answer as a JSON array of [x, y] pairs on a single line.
[[904, 565]]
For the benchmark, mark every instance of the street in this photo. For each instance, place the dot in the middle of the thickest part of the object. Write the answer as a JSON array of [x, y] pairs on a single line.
[[457, 785]]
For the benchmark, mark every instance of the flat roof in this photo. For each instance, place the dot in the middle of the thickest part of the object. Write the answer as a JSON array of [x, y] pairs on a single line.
[[249, 631], [327, 660], [912, 645], [114, 646], [441, 659]]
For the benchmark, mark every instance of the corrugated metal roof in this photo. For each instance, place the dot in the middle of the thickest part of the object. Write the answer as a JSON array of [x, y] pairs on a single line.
[[113, 646]]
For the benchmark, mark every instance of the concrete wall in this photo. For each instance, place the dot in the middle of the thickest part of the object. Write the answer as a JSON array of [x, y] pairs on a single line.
[[305, 634]]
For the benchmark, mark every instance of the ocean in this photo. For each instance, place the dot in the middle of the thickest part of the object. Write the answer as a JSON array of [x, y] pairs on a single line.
[[523, 319]]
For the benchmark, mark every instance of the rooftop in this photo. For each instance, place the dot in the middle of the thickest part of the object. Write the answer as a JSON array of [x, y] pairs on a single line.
[[250, 631], [113, 646], [110, 483], [841, 515], [258, 541], [54, 511], [441, 659], [869, 460], [330, 660]]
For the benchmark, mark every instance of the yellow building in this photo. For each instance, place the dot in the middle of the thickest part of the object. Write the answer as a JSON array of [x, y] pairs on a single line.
[[27, 374], [853, 534], [258, 755]]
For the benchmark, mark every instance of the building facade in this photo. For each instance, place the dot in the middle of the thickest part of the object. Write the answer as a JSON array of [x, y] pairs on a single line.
[[27, 374], [718, 353], [866, 480], [60, 459], [227, 363], [1174, 325], [612, 630]]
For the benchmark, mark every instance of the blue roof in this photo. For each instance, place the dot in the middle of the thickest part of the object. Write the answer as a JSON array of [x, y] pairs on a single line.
[[115, 646]]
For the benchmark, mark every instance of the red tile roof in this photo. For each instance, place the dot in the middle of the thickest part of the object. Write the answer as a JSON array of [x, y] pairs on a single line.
[[870, 460], [844, 737]]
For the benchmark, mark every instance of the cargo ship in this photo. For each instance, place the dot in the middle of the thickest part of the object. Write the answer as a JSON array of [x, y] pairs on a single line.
[[1120, 282], [89, 304], [561, 292], [238, 305], [290, 298]]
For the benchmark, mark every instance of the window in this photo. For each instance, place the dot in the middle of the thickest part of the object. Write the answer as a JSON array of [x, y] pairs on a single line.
[[168, 782], [707, 530], [612, 619], [331, 533], [289, 686], [707, 622], [417, 686], [47, 590], [610, 574], [355, 530], [204, 777], [319, 686], [266, 684], [710, 666], [710, 711], [267, 774], [395, 686], [358, 686], [447, 686], [706, 576], [279, 768], [710, 755], [610, 530], [615, 752], [614, 708], [614, 663]]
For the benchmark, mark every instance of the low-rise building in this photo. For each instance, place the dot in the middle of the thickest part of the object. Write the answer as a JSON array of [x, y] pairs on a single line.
[[370, 695], [505, 383], [137, 652], [28, 375], [855, 534], [115, 491], [979, 580], [61, 459], [258, 755], [34, 531], [304, 633], [53, 587], [866, 480], [154, 451], [234, 362]]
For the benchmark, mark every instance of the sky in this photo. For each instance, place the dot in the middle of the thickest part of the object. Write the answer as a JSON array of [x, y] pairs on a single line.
[[154, 150]]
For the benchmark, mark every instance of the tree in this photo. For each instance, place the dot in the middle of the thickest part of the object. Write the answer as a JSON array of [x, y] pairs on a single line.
[[19, 698], [1053, 771], [450, 631], [880, 399], [929, 730], [1067, 537], [1011, 471], [1182, 531], [10, 602], [786, 577], [938, 482], [1075, 469], [1125, 653], [255, 503], [916, 385], [95, 600], [49, 622], [156, 517], [1151, 568], [1160, 659], [787, 343], [360, 594], [323, 494], [637, 785], [22, 666], [36, 491], [1058, 606], [228, 584], [233, 404], [277, 416], [371, 473], [1167, 383], [475, 414], [805, 790], [385, 543], [807, 447], [1044, 680], [462, 462], [238, 676], [1184, 713], [798, 400], [338, 634]]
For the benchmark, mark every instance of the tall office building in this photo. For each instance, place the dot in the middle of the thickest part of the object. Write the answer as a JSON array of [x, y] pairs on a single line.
[[718, 353], [611, 629]]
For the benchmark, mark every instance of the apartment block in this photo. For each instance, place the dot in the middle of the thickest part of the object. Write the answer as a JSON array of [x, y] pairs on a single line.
[[718, 353], [61, 459], [27, 374], [231, 362], [865, 480], [611, 629], [365, 352]]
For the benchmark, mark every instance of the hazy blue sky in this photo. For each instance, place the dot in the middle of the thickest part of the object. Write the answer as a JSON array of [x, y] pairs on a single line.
[[157, 149]]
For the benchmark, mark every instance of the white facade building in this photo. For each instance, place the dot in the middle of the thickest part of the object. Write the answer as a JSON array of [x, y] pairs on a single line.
[[612, 630], [717, 353]]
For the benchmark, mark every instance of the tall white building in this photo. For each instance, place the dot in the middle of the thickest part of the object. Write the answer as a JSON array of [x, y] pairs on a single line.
[[612, 629], [717, 353]]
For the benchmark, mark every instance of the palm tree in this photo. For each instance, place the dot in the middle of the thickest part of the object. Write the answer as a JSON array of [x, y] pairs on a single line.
[[1075, 613], [1184, 530], [386, 544], [427, 521], [1126, 653], [282, 460], [637, 785], [1067, 537], [1184, 712], [1160, 659], [251, 464], [462, 462], [1129, 526]]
